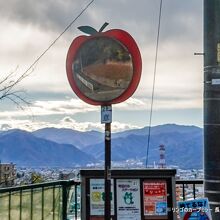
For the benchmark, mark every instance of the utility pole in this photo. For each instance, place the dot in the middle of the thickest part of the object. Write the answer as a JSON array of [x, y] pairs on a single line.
[[106, 117], [107, 171], [212, 104]]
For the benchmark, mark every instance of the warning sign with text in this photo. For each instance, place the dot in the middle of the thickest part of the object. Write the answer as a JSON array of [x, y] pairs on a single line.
[[155, 197]]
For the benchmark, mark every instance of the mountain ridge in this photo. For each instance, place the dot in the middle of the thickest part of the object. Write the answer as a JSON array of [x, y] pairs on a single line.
[[23, 148], [184, 146]]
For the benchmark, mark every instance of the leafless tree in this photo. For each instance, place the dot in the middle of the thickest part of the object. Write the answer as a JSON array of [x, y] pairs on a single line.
[[9, 88]]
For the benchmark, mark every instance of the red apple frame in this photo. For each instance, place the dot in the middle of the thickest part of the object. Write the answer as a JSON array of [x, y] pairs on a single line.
[[128, 42]]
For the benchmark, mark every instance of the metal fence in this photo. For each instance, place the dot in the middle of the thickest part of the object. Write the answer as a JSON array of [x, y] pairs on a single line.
[[60, 200], [47, 201], [189, 189]]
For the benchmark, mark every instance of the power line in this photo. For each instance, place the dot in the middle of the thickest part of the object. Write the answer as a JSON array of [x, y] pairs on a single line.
[[25, 74], [154, 79]]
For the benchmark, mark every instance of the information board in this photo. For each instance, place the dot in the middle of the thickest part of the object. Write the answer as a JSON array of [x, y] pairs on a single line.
[[97, 197], [155, 197], [106, 114], [194, 209], [128, 199]]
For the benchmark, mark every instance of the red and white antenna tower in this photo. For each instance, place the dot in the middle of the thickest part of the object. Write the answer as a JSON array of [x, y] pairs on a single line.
[[162, 163]]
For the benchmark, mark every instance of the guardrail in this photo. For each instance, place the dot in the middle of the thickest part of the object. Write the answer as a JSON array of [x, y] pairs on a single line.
[[191, 186], [58, 200], [44, 201]]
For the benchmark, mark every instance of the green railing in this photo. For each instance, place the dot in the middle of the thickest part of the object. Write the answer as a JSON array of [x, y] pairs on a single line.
[[46, 201], [189, 188], [58, 200]]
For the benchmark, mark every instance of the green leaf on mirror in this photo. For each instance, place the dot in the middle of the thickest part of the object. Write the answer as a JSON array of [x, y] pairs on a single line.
[[88, 30]]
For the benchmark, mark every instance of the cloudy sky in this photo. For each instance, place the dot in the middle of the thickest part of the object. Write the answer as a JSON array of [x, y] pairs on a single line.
[[28, 27]]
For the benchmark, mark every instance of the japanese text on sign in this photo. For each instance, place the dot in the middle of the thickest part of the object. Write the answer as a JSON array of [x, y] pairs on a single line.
[[97, 197], [128, 199], [155, 198], [194, 209]]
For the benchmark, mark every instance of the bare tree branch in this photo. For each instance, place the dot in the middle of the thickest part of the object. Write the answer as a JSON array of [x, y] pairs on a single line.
[[8, 88], [8, 76], [15, 102]]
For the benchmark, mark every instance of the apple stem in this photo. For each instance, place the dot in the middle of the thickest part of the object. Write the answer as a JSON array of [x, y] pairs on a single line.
[[103, 26]]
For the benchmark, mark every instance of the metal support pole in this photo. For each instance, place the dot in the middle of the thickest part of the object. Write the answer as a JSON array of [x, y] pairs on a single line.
[[212, 104], [9, 206], [76, 203], [64, 201], [107, 171], [106, 118]]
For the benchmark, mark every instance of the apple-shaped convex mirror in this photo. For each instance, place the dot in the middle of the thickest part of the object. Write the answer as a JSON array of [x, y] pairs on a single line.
[[104, 68]]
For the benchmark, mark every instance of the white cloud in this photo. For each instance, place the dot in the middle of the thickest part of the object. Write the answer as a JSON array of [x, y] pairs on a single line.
[[87, 126], [75, 106], [30, 27], [177, 104], [71, 106], [28, 23], [44, 108], [66, 122], [162, 102], [132, 104]]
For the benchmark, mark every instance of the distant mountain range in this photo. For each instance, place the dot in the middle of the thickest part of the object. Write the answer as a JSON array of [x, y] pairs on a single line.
[[25, 149], [184, 145], [66, 147], [68, 136]]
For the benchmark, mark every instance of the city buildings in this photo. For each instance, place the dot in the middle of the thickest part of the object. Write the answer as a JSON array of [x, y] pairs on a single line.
[[7, 174]]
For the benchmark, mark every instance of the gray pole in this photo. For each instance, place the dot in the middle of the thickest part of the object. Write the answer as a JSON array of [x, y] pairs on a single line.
[[107, 171], [212, 104], [106, 117]]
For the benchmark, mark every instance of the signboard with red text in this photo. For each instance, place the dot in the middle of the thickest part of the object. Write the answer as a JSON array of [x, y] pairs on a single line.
[[155, 197]]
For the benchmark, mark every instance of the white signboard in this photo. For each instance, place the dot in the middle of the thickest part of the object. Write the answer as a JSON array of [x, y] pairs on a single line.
[[215, 81], [128, 199], [106, 114], [194, 209], [97, 197]]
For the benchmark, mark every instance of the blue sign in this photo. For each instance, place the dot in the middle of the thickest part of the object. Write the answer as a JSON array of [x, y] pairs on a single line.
[[106, 114], [197, 209]]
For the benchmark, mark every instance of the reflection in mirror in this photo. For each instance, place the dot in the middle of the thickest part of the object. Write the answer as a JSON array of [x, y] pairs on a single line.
[[102, 69]]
